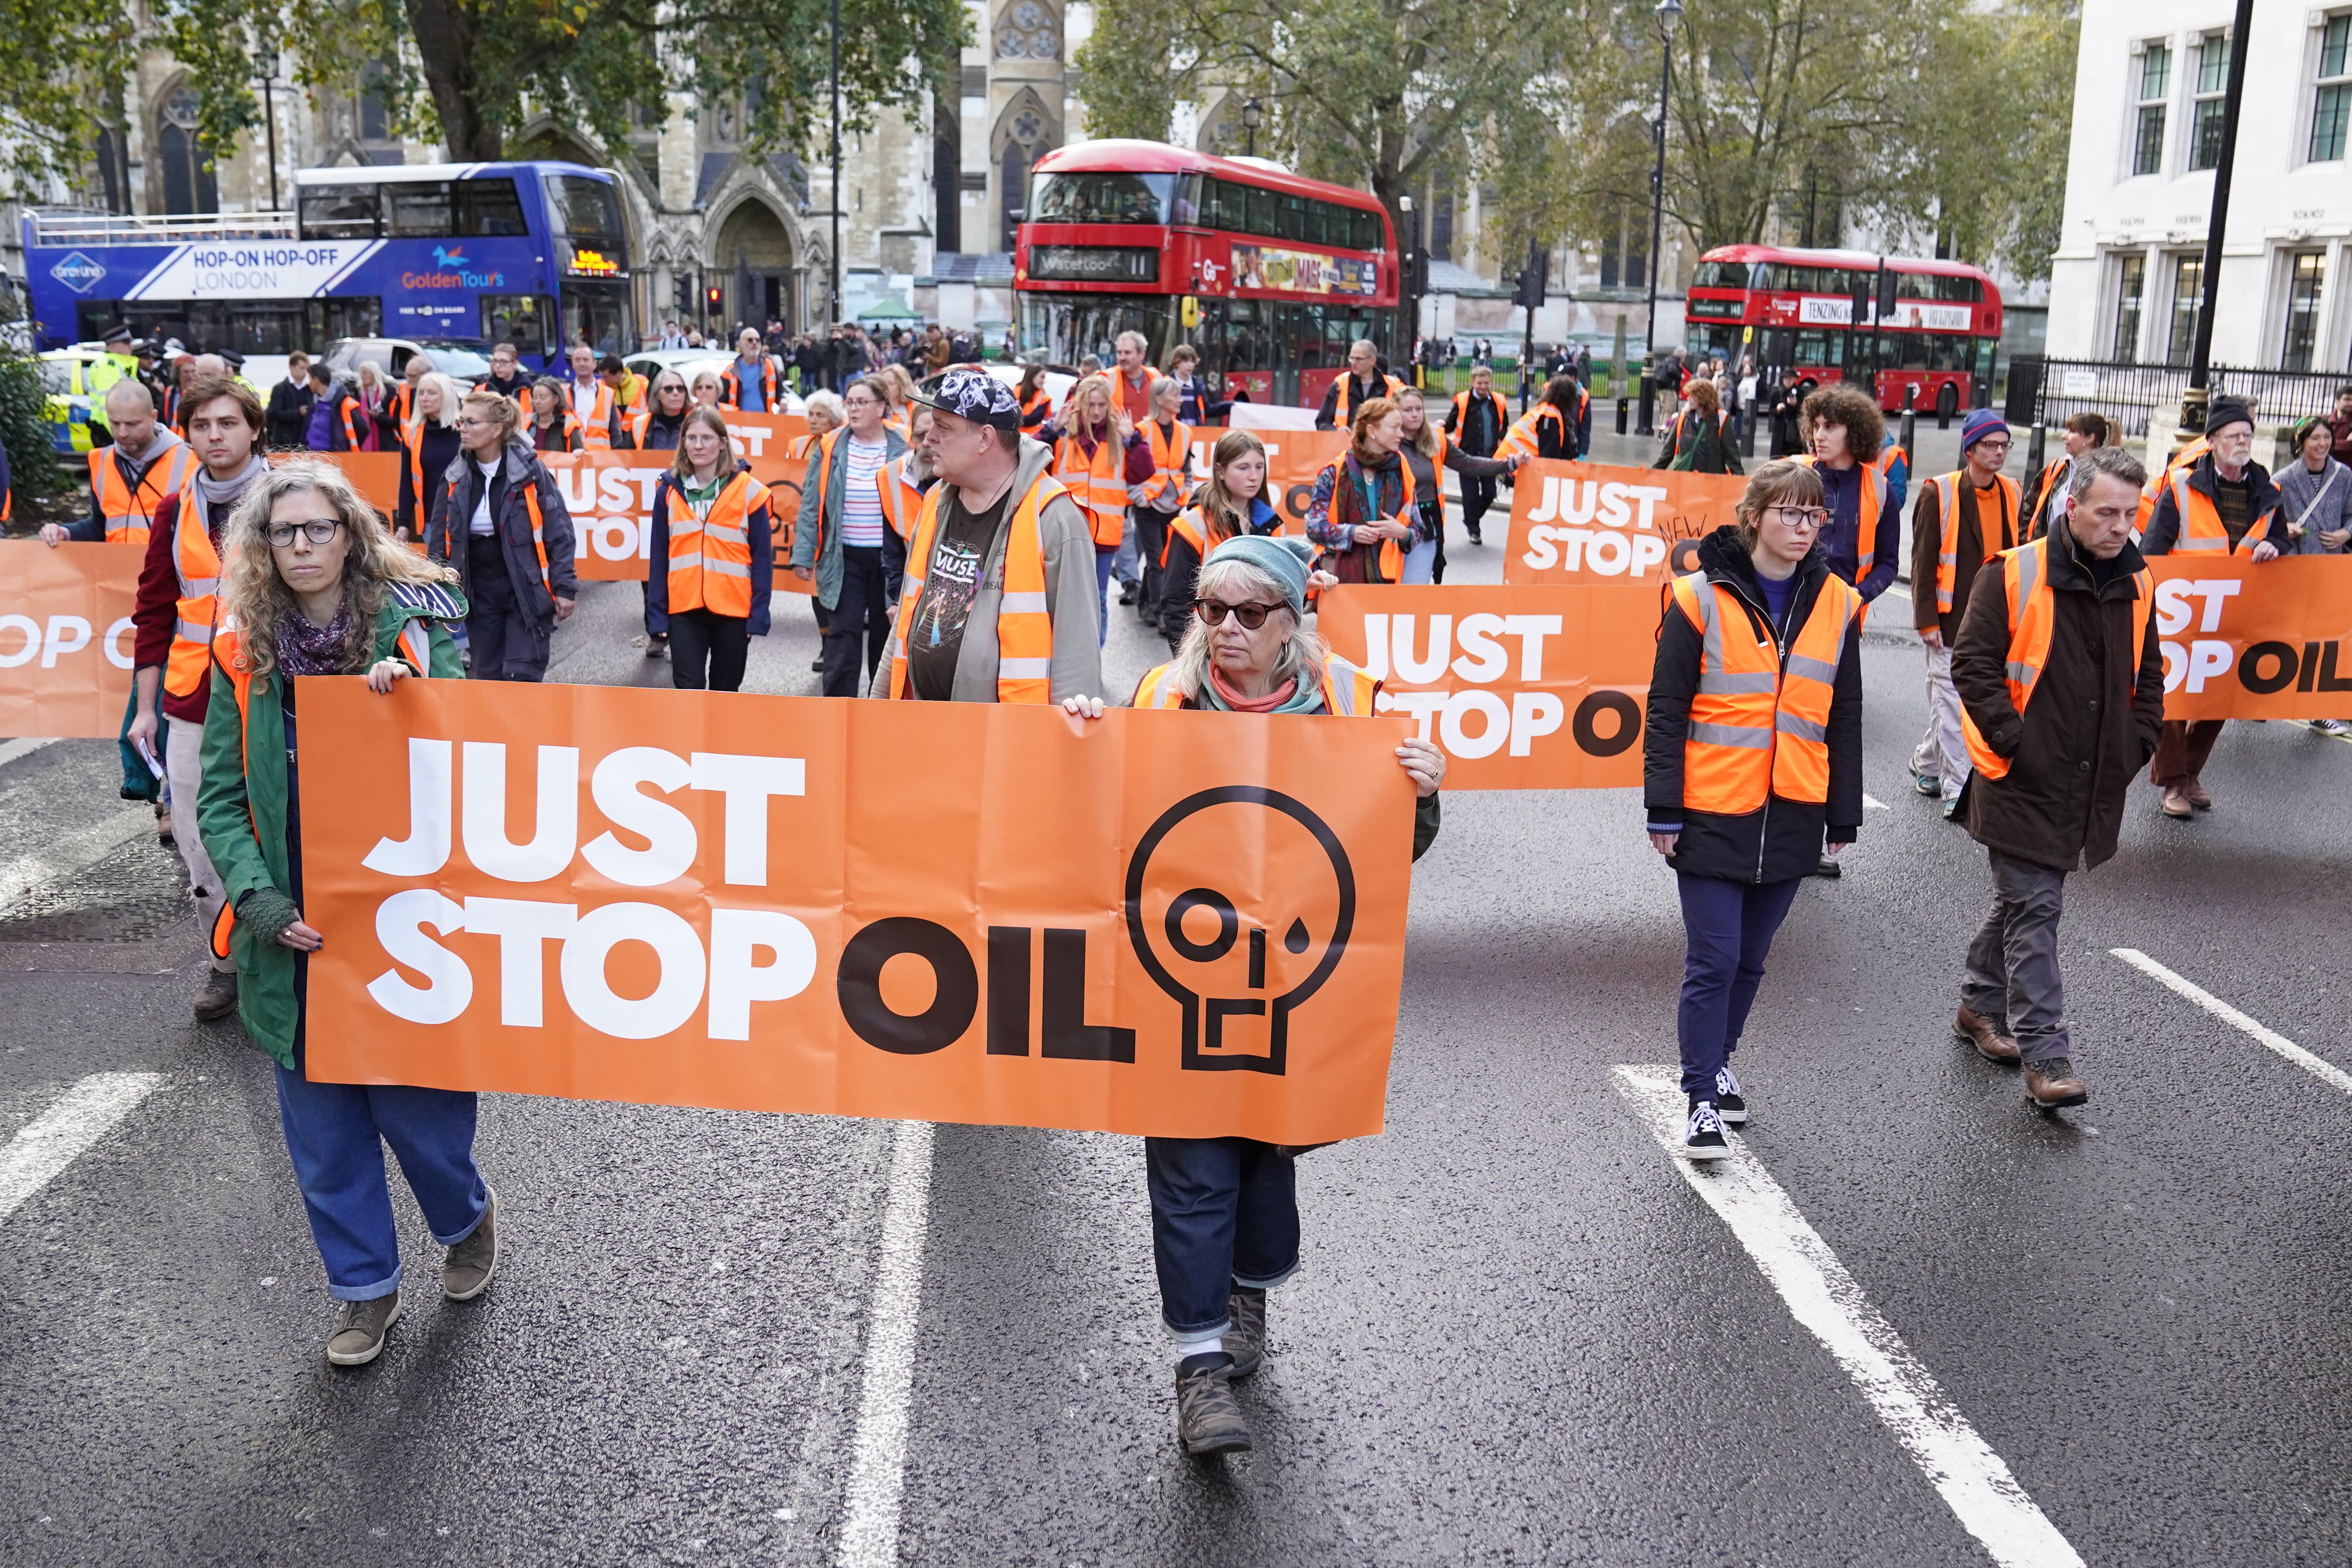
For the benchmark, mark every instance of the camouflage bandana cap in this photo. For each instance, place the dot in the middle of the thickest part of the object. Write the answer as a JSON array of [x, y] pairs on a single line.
[[973, 394]]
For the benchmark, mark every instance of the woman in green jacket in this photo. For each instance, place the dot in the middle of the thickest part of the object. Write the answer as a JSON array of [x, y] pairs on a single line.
[[314, 585]]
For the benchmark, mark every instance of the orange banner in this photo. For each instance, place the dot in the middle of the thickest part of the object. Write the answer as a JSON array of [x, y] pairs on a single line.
[[1293, 459], [775, 445], [376, 475], [1589, 522], [610, 496], [66, 639], [2243, 640], [1521, 688], [1176, 923]]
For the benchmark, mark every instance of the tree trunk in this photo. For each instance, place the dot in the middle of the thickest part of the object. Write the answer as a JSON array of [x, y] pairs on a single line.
[[446, 44]]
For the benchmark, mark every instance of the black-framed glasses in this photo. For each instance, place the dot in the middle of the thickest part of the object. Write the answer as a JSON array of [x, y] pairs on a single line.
[[1801, 516], [316, 530], [1251, 616]]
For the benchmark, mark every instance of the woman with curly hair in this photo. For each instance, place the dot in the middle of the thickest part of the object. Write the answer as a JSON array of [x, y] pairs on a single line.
[[314, 585]]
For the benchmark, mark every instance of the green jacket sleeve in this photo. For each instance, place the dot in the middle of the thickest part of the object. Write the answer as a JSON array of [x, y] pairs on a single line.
[[224, 816], [447, 663]]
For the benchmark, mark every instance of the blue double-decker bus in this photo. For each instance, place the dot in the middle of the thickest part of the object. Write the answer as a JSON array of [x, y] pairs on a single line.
[[534, 254]]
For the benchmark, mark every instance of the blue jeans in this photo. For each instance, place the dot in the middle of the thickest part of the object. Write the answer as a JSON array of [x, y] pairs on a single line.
[[336, 1133], [1103, 559], [1729, 927], [1224, 1211]]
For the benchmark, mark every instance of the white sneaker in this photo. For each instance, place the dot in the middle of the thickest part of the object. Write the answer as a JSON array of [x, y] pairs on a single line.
[[1729, 1103], [1705, 1140]]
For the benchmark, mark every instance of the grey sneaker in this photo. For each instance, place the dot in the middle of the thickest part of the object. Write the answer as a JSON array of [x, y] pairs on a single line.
[[1208, 1419], [217, 998], [465, 1272], [1245, 1333], [359, 1329]]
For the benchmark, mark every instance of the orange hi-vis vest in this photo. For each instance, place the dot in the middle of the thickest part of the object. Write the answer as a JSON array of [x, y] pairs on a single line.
[[710, 556], [1024, 630], [2032, 616], [596, 424], [1097, 483], [1348, 691], [902, 497], [2201, 522], [1873, 501], [1502, 410], [416, 647], [2184, 458], [1760, 720], [196, 618], [1036, 405], [1391, 553], [1947, 523], [1190, 526], [460, 522], [2034, 518], [404, 407], [730, 384], [1888, 456], [1346, 386], [1169, 456], [129, 513]]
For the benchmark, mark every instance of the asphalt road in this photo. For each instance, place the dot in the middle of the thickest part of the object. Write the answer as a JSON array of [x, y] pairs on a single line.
[[1521, 1335]]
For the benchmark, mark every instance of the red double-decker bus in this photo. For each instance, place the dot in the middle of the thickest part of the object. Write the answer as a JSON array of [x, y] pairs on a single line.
[[1270, 276], [1796, 307]]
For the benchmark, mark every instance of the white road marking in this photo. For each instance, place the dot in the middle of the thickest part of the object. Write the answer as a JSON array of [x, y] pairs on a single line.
[[877, 1471], [2318, 1066], [10, 751], [70, 854], [56, 1136], [1872, 802], [1898, 593], [1973, 1480]]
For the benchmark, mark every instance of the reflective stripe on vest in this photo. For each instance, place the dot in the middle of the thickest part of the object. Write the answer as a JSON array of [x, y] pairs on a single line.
[[1391, 557], [710, 556], [1097, 483], [1185, 525], [902, 498], [596, 424], [1169, 457], [1948, 524], [1024, 630], [1872, 502], [1390, 387], [730, 384], [2032, 616], [2184, 458], [2202, 529], [1760, 720], [198, 566], [131, 514]]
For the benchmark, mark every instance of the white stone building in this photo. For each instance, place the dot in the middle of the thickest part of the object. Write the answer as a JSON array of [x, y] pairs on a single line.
[[2148, 95]]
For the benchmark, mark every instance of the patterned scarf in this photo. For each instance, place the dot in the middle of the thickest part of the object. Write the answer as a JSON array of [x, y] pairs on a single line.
[[307, 649]]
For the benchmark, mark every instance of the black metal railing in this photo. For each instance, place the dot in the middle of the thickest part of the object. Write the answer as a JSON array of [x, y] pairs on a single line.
[[2045, 391]]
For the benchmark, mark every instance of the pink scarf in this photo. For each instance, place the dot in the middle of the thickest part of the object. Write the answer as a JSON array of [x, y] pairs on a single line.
[[1241, 704]]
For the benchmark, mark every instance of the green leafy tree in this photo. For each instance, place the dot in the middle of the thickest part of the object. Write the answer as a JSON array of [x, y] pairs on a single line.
[[33, 471], [1986, 172]]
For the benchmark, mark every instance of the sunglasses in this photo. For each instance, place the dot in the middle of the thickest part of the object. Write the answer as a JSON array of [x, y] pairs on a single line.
[[318, 531], [1251, 617]]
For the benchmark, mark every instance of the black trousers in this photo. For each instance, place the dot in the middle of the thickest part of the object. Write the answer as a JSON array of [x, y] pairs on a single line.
[[862, 616], [503, 645], [1477, 496], [700, 639], [1150, 538]]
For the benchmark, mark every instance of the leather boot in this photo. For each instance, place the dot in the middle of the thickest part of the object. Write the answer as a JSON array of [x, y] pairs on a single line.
[[1991, 1043], [2053, 1084], [2177, 803], [2195, 790]]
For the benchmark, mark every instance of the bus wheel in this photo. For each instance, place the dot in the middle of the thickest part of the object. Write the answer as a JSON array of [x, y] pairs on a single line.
[[1948, 401]]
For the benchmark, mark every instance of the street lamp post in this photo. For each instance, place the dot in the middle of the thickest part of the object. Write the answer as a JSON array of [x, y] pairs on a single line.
[[1668, 13], [2193, 401], [834, 304], [1252, 118]]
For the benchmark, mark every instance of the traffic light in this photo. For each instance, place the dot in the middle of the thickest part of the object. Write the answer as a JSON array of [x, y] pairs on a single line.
[[1885, 293], [1416, 273], [1862, 293], [714, 299], [1529, 294]]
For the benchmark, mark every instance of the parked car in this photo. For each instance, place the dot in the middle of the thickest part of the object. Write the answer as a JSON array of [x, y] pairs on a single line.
[[467, 359]]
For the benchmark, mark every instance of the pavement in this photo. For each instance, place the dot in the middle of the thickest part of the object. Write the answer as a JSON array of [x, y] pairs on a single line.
[[1913, 1322]]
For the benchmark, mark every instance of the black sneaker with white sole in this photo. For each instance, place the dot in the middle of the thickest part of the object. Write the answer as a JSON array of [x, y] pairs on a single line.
[[1705, 1140], [1729, 1103]]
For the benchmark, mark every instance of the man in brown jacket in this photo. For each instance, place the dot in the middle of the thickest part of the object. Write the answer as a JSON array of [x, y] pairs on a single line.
[[1960, 523], [2048, 792]]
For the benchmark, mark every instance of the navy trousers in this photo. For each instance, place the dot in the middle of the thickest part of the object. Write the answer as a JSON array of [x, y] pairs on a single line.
[[1728, 929]]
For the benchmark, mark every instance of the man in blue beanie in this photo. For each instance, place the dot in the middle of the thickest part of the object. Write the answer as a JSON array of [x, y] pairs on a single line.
[[1962, 521]]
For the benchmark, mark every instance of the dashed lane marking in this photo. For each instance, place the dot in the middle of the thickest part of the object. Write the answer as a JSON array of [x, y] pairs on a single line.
[[58, 1136], [877, 1471], [1973, 1481], [69, 854], [2318, 1067], [1872, 802]]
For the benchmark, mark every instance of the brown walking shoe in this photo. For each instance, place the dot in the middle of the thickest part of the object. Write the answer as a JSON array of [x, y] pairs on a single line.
[[465, 1272], [2051, 1085], [2177, 803], [1246, 1331], [1991, 1042], [217, 997], [359, 1329], [1208, 1419], [2195, 790]]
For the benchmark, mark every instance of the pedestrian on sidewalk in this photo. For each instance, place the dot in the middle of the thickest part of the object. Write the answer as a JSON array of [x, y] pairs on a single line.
[[837, 545], [2223, 504], [1752, 761], [713, 559], [1224, 1211], [1477, 424], [314, 585], [2061, 692], [1963, 520], [1428, 453], [498, 518]]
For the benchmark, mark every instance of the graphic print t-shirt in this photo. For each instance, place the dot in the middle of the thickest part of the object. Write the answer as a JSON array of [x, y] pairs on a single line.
[[959, 555]]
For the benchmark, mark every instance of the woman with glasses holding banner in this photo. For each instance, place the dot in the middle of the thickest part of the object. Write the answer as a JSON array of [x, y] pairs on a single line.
[[1753, 760], [314, 585], [1224, 1211]]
